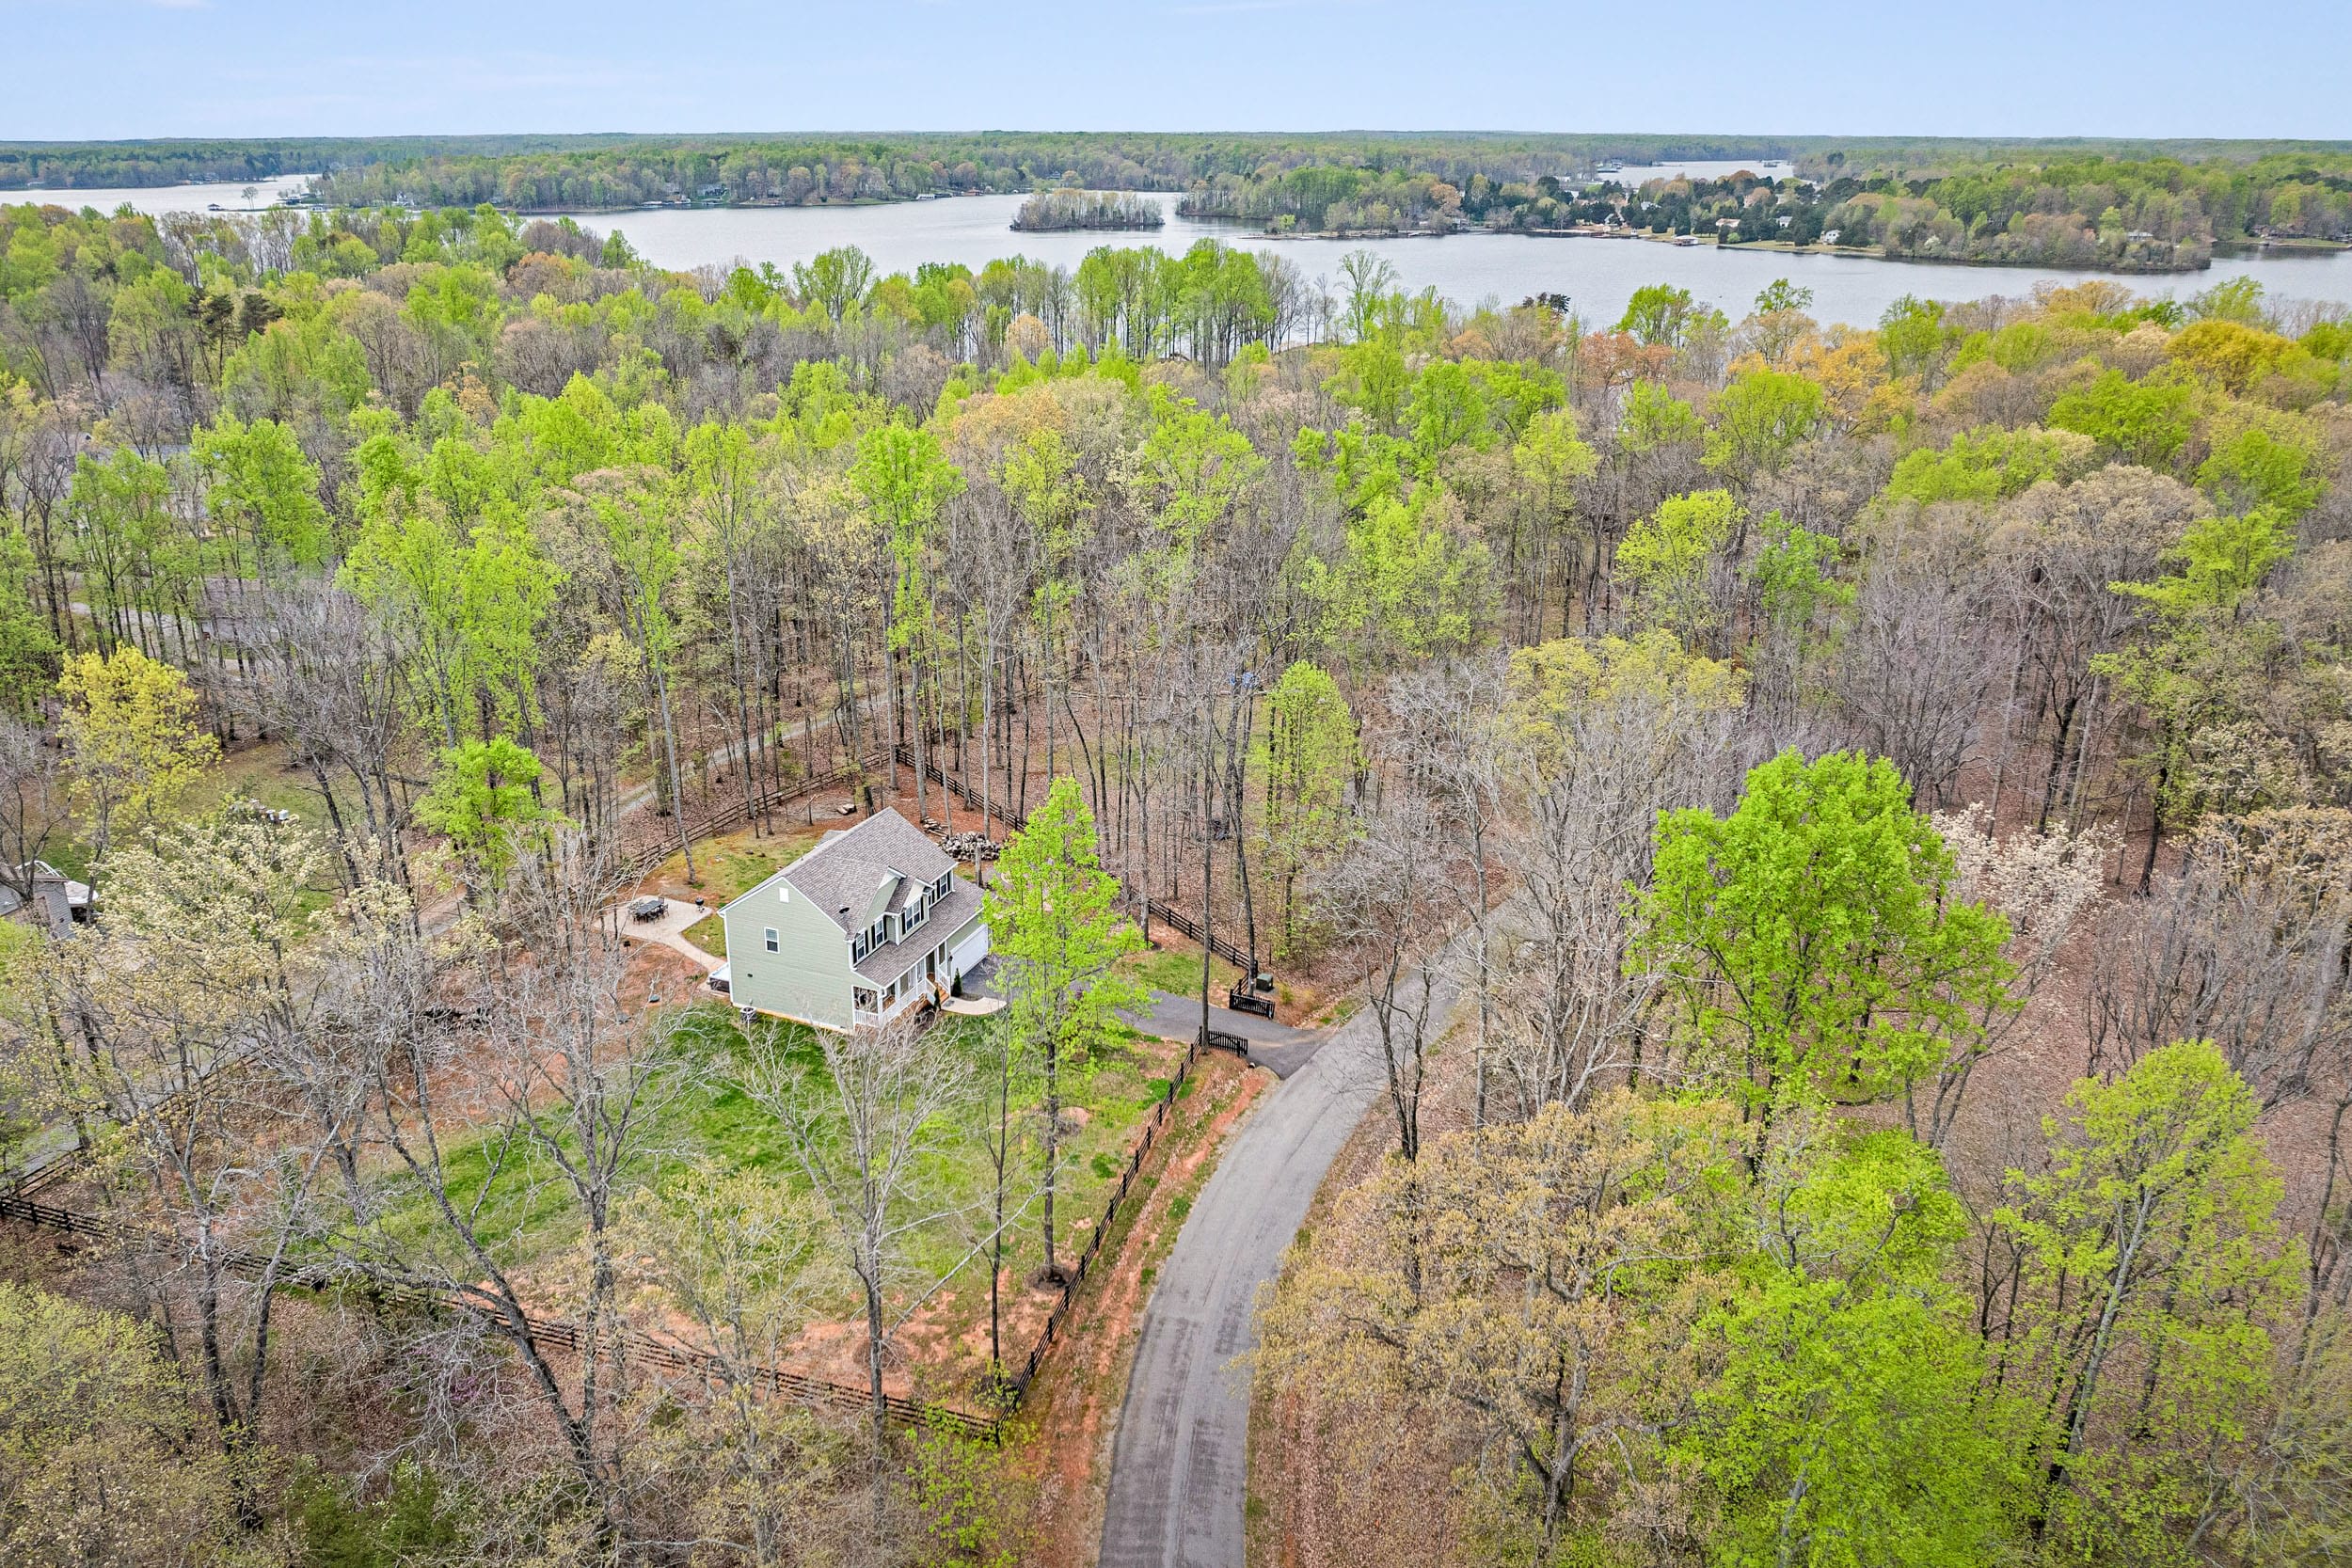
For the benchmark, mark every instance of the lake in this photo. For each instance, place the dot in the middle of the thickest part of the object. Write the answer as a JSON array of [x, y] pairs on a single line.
[[1598, 276], [158, 199]]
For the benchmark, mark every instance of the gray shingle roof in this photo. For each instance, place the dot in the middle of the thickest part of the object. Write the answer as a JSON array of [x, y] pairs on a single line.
[[848, 868], [893, 958]]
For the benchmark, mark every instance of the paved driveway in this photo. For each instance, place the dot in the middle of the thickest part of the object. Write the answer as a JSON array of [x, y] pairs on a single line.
[[1271, 1045], [1179, 1462]]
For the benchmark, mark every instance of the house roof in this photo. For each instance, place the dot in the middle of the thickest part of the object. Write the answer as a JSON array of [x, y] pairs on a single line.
[[894, 958], [877, 865]]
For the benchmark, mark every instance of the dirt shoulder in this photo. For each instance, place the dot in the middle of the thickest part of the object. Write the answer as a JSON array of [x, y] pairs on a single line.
[[1072, 1413]]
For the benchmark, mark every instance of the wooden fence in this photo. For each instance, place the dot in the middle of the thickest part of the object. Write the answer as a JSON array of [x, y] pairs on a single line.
[[637, 864], [1168, 915], [550, 1333], [20, 1205], [1063, 1308]]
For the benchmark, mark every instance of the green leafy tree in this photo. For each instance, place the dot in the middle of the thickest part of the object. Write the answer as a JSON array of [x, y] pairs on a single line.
[[1654, 419], [2150, 1268], [1913, 338], [261, 486], [1666, 558], [1661, 315], [1313, 756], [1847, 1426], [2146, 423], [2259, 467], [1760, 418], [1780, 296], [1812, 947], [486, 801], [1989, 465], [2218, 562], [1197, 467], [28, 649], [127, 546], [902, 479], [1053, 917]]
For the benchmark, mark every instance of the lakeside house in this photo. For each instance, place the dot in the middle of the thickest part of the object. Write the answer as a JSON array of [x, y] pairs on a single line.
[[872, 922]]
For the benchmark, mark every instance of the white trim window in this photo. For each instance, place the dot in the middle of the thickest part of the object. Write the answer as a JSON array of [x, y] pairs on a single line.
[[768, 935]]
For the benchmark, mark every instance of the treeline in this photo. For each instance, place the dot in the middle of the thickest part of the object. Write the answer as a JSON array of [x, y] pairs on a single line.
[[803, 169], [1073, 209], [171, 161], [2132, 216], [1806, 751]]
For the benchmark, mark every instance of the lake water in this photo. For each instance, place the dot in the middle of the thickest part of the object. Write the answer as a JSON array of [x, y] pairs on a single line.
[[1597, 276], [169, 199]]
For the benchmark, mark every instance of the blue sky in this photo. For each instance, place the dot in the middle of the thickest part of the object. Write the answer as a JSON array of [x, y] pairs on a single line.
[[78, 69]]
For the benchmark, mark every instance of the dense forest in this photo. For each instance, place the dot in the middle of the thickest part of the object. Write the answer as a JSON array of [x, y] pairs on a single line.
[[1074, 209], [1836, 844], [2134, 217]]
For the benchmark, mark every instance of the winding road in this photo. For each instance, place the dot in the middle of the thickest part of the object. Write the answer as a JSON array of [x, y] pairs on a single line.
[[1179, 1465]]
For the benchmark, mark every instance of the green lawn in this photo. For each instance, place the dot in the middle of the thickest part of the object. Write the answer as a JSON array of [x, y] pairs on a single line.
[[1177, 971], [731, 863], [709, 933], [705, 1114]]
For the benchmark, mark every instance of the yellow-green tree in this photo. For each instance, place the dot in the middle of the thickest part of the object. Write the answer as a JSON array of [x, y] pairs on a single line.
[[100, 1461], [132, 743], [1312, 760], [2151, 1270], [1053, 917]]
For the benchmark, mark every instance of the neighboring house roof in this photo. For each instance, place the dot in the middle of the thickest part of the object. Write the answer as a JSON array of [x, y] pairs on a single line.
[[42, 874], [880, 864], [62, 900]]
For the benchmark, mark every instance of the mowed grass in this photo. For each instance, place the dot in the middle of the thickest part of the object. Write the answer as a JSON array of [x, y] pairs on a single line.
[[1177, 971], [731, 864], [709, 933]]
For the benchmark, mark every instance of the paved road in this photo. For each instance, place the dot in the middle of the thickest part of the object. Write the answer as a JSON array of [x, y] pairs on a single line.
[[1178, 1463]]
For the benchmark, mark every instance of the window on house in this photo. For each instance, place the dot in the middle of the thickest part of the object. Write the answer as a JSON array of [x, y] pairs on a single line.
[[770, 935]]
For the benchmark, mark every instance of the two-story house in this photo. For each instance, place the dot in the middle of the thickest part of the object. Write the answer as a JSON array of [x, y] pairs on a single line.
[[860, 928]]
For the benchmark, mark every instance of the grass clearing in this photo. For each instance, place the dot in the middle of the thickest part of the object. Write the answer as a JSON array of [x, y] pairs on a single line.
[[704, 1114], [732, 863], [1177, 971], [709, 933]]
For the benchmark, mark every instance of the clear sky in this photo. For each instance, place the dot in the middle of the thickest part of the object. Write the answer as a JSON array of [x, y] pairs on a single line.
[[91, 69]]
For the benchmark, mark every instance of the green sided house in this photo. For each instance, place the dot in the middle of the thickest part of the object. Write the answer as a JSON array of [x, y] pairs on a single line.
[[870, 922]]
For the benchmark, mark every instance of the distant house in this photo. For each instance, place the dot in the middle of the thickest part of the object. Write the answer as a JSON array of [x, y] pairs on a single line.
[[57, 902], [870, 922]]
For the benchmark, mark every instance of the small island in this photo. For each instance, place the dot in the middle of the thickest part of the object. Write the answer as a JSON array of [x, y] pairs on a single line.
[[1074, 209]]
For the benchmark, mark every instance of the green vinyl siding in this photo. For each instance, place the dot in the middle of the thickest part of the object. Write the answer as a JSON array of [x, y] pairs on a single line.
[[807, 978]]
